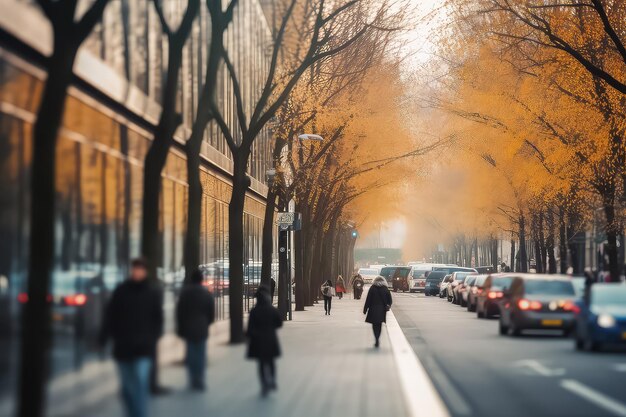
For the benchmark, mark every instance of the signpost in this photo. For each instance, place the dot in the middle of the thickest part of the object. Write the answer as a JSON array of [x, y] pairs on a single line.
[[286, 221]]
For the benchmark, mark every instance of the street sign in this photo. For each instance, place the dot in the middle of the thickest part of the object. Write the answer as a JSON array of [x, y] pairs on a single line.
[[289, 221]]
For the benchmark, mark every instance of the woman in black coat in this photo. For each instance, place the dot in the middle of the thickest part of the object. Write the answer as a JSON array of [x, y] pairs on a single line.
[[377, 303], [262, 338]]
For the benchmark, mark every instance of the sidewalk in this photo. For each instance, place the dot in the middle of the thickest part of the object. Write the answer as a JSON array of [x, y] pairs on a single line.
[[329, 368]]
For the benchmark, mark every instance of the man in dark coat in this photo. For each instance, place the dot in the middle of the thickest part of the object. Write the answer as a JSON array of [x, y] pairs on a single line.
[[195, 312], [263, 344], [377, 303], [134, 320]]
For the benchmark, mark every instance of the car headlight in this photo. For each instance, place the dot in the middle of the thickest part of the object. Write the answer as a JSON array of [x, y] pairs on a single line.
[[606, 321]]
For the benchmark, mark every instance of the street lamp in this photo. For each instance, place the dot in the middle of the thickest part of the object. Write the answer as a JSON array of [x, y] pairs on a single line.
[[310, 136]]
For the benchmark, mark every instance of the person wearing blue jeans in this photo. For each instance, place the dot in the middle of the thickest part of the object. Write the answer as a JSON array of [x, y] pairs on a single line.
[[134, 320], [135, 381], [195, 312]]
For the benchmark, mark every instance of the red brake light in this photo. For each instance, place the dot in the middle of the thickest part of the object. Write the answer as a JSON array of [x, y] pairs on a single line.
[[22, 298], [569, 306], [529, 305], [495, 294], [75, 300]]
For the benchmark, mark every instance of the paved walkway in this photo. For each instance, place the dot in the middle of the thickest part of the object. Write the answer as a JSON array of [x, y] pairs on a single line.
[[329, 368]]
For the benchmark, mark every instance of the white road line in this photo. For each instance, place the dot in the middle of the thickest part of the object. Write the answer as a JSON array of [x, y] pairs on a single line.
[[596, 397], [421, 396], [454, 398], [539, 368], [620, 367]]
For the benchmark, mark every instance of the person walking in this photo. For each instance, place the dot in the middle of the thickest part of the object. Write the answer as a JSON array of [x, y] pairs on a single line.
[[327, 292], [195, 312], [263, 342], [357, 286], [340, 287], [377, 303], [134, 320]]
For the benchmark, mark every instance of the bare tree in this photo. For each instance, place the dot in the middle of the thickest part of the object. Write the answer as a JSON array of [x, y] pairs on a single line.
[[68, 35]]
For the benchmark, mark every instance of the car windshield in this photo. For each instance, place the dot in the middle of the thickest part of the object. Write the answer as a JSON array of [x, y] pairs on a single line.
[[470, 280], [368, 272], [501, 282], [548, 287], [608, 296], [419, 273], [480, 281], [460, 276], [392, 272], [436, 276]]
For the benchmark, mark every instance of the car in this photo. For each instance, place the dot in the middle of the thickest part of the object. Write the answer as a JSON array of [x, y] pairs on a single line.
[[601, 317], [368, 274], [538, 301], [443, 288], [457, 278], [475, 290], [463, 289], [487, 302], [419, 272], [433, 282], [488, 269], [397, 277]]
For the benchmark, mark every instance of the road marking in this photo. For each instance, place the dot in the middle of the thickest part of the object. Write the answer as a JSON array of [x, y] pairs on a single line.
[[420, 395], [620, 367], [538, 368], [596, 397], [453, 396]]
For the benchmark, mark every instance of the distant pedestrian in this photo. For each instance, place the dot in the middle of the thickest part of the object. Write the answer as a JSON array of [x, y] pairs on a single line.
[[134, 320], [195, 312], [263, 343], [357, 286], [327, 292], [377, 303], [340, 287]]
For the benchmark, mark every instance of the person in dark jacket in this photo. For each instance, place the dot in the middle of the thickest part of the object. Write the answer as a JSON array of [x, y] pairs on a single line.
[[263, 343], [357, 286], [134, 320], [327, 292], [377, 303], [195, 312]]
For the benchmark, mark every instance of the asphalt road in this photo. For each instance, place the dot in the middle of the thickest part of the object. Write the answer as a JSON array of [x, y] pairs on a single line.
[[480, 373]]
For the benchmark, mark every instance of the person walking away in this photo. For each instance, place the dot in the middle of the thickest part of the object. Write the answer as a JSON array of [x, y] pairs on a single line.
[[357, 286], [327, 292], [195, 312], [340, 287], [134, 321], [377, 303], [263, 342]]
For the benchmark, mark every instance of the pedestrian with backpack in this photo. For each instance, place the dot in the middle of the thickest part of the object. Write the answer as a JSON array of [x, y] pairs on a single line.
[[327, 292]]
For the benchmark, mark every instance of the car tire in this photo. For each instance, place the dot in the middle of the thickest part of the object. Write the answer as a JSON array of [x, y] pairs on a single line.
[[514, 330], [480, 314], [580, 344], [591, 346], [463, 303], [504, 330]]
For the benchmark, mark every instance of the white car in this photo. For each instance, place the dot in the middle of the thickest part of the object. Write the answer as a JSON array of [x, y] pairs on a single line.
[[368, 274]]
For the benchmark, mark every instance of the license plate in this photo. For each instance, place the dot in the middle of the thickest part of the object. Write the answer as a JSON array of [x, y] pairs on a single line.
[[624, 335], [551, 322]]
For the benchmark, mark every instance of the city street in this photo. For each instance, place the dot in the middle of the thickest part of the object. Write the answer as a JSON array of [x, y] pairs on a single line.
[[480, 373]]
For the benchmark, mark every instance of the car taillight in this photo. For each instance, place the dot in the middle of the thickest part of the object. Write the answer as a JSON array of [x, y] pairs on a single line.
[[529, 305], [495, 294], [22, 298], [75, 300], [569, 306]]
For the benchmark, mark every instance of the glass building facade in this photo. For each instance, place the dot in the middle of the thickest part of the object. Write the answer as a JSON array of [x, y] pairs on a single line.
[[106, 133]]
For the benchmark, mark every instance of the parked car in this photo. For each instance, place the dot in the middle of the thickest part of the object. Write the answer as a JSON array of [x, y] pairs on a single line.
[[475, 290], [397, 277], [538, 301], [433, 282], [457, 278], [419, 273], [601, 317], [443, 288], [368, 274], [463, 289], [488, 269], [487, 303]]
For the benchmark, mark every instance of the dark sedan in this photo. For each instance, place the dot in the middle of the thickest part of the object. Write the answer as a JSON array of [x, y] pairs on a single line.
[[538, 302], [487, 303], [601, 319], [433, 282]]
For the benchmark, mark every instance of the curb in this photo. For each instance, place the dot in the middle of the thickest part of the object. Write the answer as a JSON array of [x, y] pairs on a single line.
[[420, 395]]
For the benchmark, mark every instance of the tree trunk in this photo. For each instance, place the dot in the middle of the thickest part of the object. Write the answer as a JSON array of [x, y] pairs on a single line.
[[523, 257], [611, 237], [194, 206], [543, 244], [156, 158], [562, 241], [267, 249], [298, 256], [512, 261], [241, 182], [36, 316], [494, 253], [550, 243]]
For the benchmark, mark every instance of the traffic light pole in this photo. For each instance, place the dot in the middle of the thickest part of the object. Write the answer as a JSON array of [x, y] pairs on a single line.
[[283, 272]]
